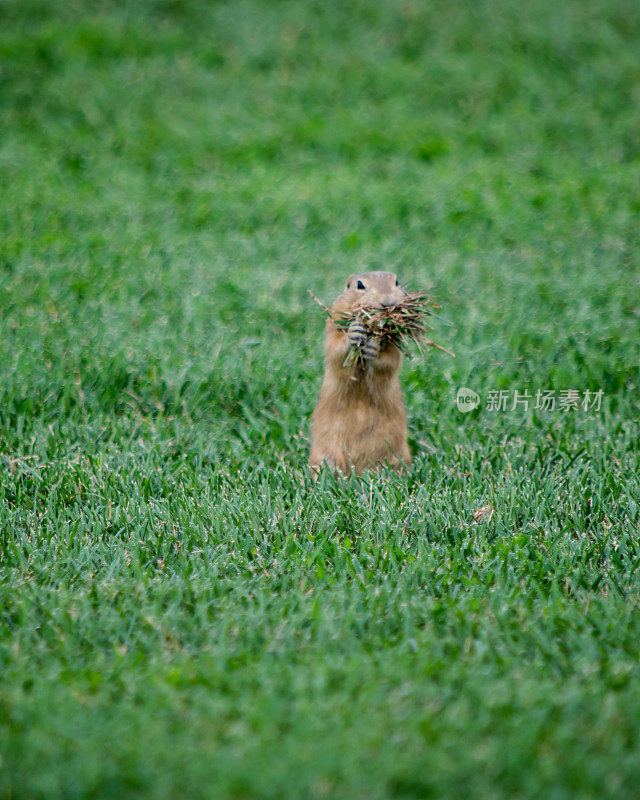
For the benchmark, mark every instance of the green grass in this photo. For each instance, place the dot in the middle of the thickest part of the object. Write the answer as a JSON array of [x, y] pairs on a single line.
[[183, 613]]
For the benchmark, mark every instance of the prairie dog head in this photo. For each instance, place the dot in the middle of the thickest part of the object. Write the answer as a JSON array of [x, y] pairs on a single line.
[[377, 289]]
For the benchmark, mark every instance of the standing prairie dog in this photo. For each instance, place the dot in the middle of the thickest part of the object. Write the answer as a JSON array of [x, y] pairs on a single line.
[[359, 420]]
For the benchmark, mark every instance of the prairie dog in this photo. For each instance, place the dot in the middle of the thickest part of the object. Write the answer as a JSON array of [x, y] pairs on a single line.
[[360, 420]]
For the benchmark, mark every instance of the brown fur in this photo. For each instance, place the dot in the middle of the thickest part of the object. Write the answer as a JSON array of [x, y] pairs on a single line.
[[360, 420]]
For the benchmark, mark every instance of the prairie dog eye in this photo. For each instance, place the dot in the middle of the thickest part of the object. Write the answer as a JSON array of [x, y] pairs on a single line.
[[361, 286], [397, 282]]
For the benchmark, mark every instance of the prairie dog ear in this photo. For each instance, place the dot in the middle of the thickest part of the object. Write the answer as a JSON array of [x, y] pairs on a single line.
[[349, 281]]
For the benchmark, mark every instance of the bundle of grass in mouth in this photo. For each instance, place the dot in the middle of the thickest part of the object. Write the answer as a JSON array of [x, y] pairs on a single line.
[[402, 324]]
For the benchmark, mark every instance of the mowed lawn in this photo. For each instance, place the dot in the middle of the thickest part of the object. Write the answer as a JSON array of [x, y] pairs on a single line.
[[183, 612]]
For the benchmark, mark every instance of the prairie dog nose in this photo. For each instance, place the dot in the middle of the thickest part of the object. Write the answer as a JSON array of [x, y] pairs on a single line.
[[387, 301]]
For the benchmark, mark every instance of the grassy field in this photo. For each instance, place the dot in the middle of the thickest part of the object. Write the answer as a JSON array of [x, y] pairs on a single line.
[[183, 613]]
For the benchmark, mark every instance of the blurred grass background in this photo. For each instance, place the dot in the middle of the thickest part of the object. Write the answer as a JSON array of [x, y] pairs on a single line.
[[183, 613]]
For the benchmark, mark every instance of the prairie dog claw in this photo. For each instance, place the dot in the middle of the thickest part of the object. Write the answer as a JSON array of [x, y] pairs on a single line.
[[368, 345], [357, 334], [371, 348]]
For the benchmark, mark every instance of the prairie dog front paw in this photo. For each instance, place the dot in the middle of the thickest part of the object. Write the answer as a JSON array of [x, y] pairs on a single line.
[[357, 334], [371, 348]]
